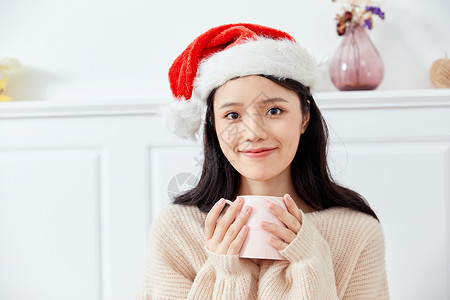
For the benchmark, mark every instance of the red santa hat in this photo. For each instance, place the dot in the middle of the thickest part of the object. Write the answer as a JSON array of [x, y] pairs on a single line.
[[223, 53]]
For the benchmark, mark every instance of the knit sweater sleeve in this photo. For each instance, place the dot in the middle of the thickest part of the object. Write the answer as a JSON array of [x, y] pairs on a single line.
[[310, 272], [368, 279], [171, 266]]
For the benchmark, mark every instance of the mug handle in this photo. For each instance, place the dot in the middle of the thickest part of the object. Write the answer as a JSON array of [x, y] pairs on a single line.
[[229, 202]]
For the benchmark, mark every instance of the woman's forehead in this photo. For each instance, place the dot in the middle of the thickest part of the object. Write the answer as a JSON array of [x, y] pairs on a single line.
[[252, 90]]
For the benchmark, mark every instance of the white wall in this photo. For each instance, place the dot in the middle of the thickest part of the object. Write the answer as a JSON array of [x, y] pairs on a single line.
[[81, 181], [94, 49]]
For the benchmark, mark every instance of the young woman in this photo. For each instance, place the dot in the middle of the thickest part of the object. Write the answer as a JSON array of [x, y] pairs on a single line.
[[247, 89]]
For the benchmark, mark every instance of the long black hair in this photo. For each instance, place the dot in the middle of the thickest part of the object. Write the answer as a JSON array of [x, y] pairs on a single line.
[[309, 168]]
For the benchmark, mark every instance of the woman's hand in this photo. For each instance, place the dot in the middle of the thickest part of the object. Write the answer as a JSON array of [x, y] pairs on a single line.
[[227, 235], [291, 217]]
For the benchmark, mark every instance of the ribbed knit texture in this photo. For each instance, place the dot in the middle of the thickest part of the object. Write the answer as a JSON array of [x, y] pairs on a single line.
[[338, 254]]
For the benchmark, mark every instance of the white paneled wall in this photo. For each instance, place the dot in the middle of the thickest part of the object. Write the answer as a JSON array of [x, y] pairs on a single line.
[[75, 198], [49, 223], [81, 181]]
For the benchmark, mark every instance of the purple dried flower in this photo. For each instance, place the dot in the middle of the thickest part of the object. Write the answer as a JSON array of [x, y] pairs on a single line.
[[376, 11], [367, 23]]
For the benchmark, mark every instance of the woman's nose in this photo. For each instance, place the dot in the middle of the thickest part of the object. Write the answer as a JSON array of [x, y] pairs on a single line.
[[255, 127]]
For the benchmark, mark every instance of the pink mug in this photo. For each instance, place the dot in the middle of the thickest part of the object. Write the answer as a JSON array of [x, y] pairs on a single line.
[[256, 244]]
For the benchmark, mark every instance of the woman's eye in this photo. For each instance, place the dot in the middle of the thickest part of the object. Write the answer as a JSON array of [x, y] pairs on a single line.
[[275, 111], [272, 112], [232, 116]]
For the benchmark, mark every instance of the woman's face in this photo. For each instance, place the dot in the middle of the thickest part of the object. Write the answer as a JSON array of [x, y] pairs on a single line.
[[254, 112]]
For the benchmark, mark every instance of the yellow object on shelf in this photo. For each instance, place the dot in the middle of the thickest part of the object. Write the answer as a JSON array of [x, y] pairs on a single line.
[[3, 97], [8, 66]]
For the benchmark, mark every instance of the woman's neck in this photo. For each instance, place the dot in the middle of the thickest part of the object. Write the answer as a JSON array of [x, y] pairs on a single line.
[[277, 187], [271, 187]]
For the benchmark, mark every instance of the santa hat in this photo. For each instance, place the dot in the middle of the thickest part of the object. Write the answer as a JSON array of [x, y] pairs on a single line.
[[223, 53]]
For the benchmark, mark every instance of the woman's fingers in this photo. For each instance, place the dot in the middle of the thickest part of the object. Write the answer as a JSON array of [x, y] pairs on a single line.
[[291, 217], [226, 220], [292, 207], [277, 244], [236, 227], [211, 218], [286, 217], [236, 245], [283, 233], [226, 235]]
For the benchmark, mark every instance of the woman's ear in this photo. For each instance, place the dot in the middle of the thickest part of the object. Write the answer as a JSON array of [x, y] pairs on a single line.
[[305, 121]]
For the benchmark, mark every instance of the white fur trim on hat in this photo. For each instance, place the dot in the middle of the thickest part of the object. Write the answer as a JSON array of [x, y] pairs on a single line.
[[279, 58]]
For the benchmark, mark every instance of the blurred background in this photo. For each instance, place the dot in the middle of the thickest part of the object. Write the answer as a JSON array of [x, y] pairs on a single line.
[[86, 163], [78, 50]]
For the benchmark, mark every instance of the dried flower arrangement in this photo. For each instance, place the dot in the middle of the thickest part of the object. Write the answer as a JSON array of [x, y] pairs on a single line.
[[357, 11]]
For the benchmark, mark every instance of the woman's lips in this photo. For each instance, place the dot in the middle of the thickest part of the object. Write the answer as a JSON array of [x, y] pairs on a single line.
[[259, 154]]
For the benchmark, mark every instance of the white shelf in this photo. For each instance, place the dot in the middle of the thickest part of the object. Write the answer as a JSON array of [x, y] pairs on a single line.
[[383, 99], [325, 100]]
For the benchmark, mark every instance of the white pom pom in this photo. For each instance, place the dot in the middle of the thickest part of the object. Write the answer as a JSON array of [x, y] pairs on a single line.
[[184, 118]]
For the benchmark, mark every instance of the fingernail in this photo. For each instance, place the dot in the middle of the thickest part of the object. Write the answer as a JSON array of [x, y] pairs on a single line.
[[238, 200], [264, 224], [247, 210]]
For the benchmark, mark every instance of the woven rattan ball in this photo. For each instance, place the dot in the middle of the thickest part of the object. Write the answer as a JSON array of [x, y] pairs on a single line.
[[440, 73]]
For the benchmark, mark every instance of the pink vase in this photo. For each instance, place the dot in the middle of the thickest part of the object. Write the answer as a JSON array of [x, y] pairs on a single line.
[[356, 65]]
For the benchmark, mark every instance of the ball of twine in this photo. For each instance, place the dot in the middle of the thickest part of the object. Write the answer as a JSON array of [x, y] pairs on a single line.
[[440, 73]]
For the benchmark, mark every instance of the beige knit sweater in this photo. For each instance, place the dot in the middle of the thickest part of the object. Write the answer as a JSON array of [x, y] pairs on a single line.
[[337, 254]]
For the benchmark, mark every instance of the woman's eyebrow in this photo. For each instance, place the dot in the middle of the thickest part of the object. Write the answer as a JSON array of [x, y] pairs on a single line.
[[228, 104]]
